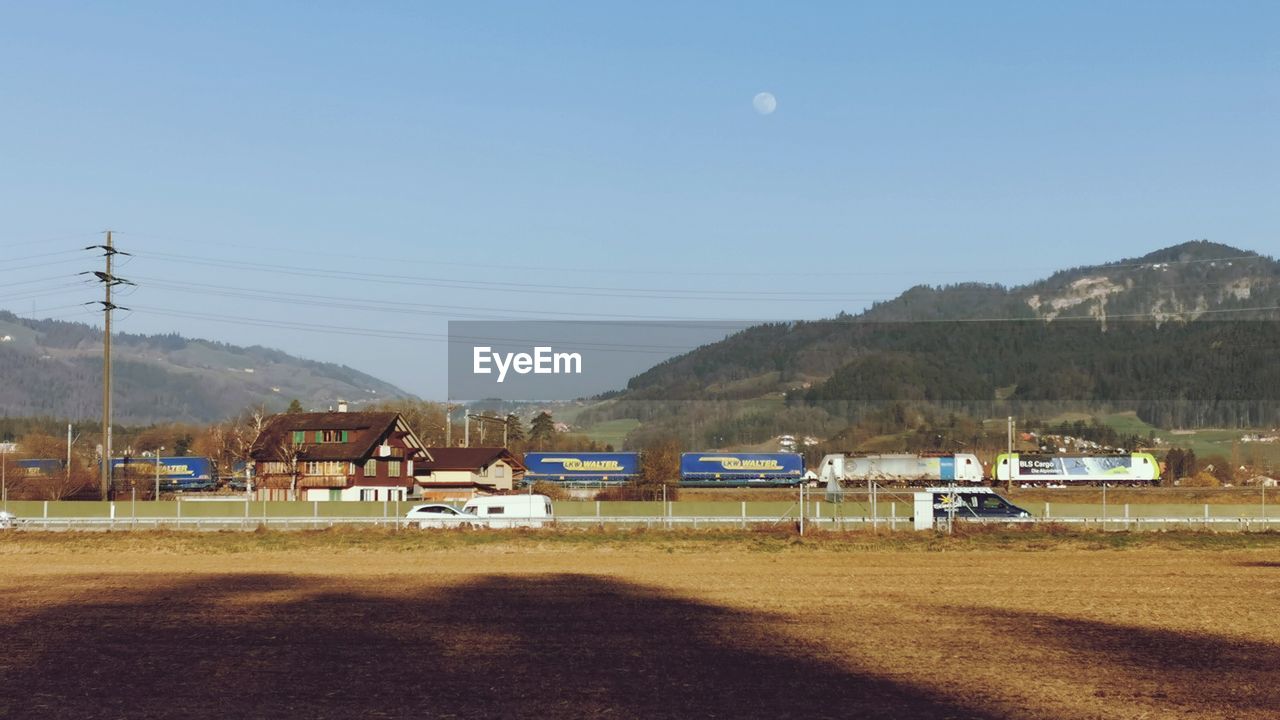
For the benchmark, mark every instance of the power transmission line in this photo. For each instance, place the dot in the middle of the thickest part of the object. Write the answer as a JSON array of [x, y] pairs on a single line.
[[350, 303], [494, 286], [404, 334], [108, 281], [610, 270]]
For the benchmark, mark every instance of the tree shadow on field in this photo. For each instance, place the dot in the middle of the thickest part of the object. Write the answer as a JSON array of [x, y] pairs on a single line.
[[1182, 669], [1259, 564], [546, 646]]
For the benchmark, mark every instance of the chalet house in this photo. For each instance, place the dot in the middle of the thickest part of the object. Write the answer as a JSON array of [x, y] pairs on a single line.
[[446, 472], [335, 456]]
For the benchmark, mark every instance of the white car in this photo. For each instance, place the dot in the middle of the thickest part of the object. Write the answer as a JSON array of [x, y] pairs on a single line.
[[7, 520], [438, 515]]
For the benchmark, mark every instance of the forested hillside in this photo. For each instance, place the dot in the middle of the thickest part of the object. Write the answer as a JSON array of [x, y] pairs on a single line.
[[54, 369], [1186, 336]]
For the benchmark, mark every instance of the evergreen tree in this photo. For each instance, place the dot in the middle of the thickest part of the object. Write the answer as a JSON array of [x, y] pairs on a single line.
[[542, 430]]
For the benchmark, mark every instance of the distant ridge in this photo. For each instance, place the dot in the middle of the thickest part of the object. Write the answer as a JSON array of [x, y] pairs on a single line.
[[53, 368], [1182, 282], [1132, 335]]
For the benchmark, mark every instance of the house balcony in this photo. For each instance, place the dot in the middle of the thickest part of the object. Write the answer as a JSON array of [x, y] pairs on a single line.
[[323, 481]]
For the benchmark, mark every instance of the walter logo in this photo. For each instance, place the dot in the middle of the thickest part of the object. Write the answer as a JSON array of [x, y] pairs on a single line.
[[542, 361], [737, 463], [574, 464]]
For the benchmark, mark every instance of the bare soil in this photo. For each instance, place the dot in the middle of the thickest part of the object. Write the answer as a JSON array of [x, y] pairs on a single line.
[[348, 624]]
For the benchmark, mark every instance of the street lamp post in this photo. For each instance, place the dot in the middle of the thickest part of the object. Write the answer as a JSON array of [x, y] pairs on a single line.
[[1008, 483], [157, 464]]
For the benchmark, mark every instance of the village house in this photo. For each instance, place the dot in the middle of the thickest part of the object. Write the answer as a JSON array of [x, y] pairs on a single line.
[[335, 456], [458, 473]]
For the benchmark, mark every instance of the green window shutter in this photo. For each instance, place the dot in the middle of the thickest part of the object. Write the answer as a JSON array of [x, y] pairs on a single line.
[[319, 435], [344, 436], [299, 436]]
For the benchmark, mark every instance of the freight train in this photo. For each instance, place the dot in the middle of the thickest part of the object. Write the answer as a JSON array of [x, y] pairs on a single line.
[[738, 470], [40, 467], [595, 468], [698, 469], [1027, 469], [716, 469], [174, 473]]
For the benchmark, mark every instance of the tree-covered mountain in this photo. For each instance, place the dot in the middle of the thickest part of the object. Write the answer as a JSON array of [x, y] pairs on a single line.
[[1192, 281], [54, 368], [1186, 336]]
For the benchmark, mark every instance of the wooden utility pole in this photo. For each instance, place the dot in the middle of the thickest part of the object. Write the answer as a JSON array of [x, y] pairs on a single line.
[[483, 420]]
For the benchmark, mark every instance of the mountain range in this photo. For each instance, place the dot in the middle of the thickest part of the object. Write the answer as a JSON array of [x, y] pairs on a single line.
[[1186, 336], [53, 368]]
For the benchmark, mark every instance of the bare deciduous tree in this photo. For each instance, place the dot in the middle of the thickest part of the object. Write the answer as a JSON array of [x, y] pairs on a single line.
[[289, 454]]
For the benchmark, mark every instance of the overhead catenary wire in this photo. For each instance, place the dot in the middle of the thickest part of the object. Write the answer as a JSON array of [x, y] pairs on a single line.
[[512, 287], [440, 338], [85, 311], [30, 294], [33, 281], [915, 270], [49, 240], [405, 334], [403, 307], [258, 293], [480, 312], [43, 255], [703, 295], [76, 260]]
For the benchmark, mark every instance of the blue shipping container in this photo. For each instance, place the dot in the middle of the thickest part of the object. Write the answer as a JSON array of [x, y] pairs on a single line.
[[581, 466], [716, 468], [41, 467], [172, 469]]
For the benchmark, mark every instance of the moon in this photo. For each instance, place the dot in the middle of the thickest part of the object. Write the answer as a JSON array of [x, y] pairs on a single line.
[[765, 103]]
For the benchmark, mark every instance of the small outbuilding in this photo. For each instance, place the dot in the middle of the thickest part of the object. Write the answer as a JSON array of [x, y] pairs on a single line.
[[454, 473]]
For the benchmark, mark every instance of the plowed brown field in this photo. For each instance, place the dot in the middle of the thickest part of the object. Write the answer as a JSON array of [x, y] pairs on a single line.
[[365, 625]]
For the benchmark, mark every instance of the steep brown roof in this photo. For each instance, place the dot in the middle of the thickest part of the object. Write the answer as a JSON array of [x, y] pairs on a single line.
[[466, 459], [364, 430]]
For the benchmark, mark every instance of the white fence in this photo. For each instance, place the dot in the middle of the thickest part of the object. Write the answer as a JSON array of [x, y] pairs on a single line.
[[891, 524]]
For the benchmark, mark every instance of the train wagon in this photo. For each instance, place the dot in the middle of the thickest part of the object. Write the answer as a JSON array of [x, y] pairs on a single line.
[[1038, 469], [849, 469], [607, 468], [716, 469], [40, 467], [176, 473]]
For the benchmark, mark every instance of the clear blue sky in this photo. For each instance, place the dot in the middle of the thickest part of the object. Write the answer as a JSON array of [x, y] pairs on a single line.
[[608, 144]]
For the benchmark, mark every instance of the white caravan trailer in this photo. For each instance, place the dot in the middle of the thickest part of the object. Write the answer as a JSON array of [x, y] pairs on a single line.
[[506, 511]]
